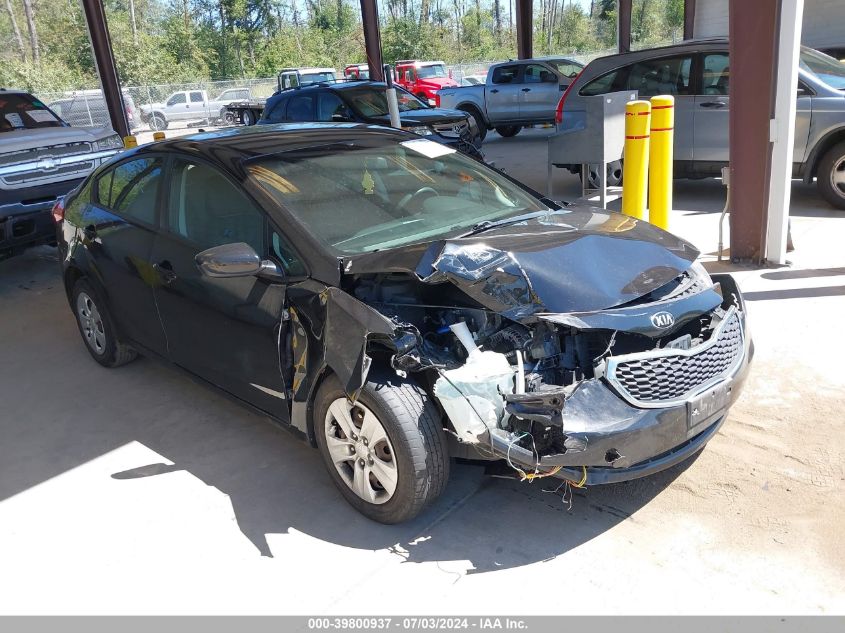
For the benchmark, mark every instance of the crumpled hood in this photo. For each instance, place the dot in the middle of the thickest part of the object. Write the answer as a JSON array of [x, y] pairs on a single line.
[[578, 259], [428, 116], [18, 140]]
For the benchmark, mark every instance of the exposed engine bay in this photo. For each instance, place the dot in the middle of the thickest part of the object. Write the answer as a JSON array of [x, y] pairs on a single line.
[[505, 382]]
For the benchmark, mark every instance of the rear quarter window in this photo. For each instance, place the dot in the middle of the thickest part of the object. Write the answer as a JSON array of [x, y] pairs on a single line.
[[601, 85]]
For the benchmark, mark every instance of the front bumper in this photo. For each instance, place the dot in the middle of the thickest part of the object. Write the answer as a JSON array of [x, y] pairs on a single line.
[[25, 218], [616, 440]]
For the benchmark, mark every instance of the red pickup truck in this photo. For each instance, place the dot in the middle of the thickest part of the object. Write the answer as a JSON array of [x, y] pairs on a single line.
[[423, 79]]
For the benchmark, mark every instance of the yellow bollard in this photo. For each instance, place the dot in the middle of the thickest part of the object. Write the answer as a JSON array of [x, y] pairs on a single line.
[[635, 166], [158, 136], [130, 141], [660, 161]]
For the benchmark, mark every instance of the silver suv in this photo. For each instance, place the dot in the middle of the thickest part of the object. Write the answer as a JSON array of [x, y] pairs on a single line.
[[41, 159], [697, 73]]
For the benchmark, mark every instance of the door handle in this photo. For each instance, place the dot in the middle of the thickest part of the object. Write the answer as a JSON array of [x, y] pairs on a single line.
[[494, 90], [165, 271], [713, 104], [526, 90], [90, 232]]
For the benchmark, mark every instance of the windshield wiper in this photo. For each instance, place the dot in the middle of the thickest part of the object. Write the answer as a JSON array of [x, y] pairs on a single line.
[[486, 225]]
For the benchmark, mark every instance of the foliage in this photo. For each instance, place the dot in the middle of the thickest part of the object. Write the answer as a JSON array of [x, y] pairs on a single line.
[[189, 40]]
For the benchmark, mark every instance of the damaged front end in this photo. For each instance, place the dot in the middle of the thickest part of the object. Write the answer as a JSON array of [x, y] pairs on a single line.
[[636, 380]]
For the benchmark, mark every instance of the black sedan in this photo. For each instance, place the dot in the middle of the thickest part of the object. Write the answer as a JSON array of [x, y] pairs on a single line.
[[366, 102], [395, 303]]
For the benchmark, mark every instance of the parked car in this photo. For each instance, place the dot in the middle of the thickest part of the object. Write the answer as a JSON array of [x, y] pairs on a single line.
[[394, 302], [41, 159], [87, 108], [422, 79], [516, 94], [357, 71], [184, 105], [366, 102], [249, 111], [697, 73]]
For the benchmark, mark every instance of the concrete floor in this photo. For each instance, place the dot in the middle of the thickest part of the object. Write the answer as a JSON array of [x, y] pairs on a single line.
[[137, 491]]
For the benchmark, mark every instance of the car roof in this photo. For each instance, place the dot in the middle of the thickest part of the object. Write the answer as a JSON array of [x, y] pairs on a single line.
[[259, 140]]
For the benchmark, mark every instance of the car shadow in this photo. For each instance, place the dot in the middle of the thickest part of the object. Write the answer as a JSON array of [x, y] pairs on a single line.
[[276, 483]]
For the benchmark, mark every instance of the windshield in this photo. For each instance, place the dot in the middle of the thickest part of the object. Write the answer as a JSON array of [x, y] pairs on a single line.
[[371, 102], [436, 70], [374, 193], [25, 112], [311, 78], [824, 67]]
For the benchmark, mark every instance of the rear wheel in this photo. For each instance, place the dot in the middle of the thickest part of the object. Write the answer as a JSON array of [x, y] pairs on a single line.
[[248, 117], [831, 176], [97, 328], [508, 130], [614, 175], [386, 452], [158, 122]]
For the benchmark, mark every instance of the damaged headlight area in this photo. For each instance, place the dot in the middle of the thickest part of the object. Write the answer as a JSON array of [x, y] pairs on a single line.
[[569, 391]]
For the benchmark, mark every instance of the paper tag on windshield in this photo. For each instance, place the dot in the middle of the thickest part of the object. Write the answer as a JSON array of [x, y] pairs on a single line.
[[14, 119], [41, 116], [427, 148]]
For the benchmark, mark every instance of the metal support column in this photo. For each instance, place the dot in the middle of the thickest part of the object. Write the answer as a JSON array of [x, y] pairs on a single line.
[[689, 19], [372, 38], [783, 129], [98, 32], [753, 36], [524, 29], [623, 25]]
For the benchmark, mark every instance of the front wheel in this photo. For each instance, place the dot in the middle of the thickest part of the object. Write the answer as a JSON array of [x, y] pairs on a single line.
[[613, 178], [508, 130], [386, 452], [831, 176]]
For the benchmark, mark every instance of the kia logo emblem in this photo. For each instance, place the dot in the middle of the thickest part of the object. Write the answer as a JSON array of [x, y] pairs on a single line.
[[662, 320]]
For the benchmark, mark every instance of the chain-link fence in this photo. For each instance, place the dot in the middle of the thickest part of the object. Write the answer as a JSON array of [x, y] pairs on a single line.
[[179, 108]]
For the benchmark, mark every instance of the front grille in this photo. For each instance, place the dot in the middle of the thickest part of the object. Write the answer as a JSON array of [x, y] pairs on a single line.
[[62, 172], [53, 151], [666, 377]]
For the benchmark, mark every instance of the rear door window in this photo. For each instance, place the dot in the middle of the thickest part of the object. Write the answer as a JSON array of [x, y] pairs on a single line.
[[301, 108], [662, 76], [505, 74], [131, 189], [196, 97], [716, 75]]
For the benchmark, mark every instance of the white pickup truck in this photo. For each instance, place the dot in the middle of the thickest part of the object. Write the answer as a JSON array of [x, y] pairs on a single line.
[[190, 105]]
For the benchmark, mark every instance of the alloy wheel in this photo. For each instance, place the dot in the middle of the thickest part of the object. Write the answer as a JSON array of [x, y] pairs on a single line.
[[837, 177], [91, 323], [361, 451]]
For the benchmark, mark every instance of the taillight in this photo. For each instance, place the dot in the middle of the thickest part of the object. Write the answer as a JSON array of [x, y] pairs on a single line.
[[59, 210], [436, 100], [559, 111]]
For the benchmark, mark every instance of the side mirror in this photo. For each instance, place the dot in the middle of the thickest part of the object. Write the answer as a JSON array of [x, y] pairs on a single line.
[[235, 260], [801, 92]]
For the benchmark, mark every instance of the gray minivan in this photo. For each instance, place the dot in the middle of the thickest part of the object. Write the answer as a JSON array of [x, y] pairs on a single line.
[[697, 73]]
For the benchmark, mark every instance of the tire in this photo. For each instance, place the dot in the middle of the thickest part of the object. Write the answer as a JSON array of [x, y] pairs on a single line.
[[158, 123], [831, 176], [508, 130], [97, 327], [614, 175], [479, 122], [248, 117], [416, 458]]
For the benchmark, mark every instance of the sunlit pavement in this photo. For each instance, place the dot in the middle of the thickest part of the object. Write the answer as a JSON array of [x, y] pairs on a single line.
[[138, 491]]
